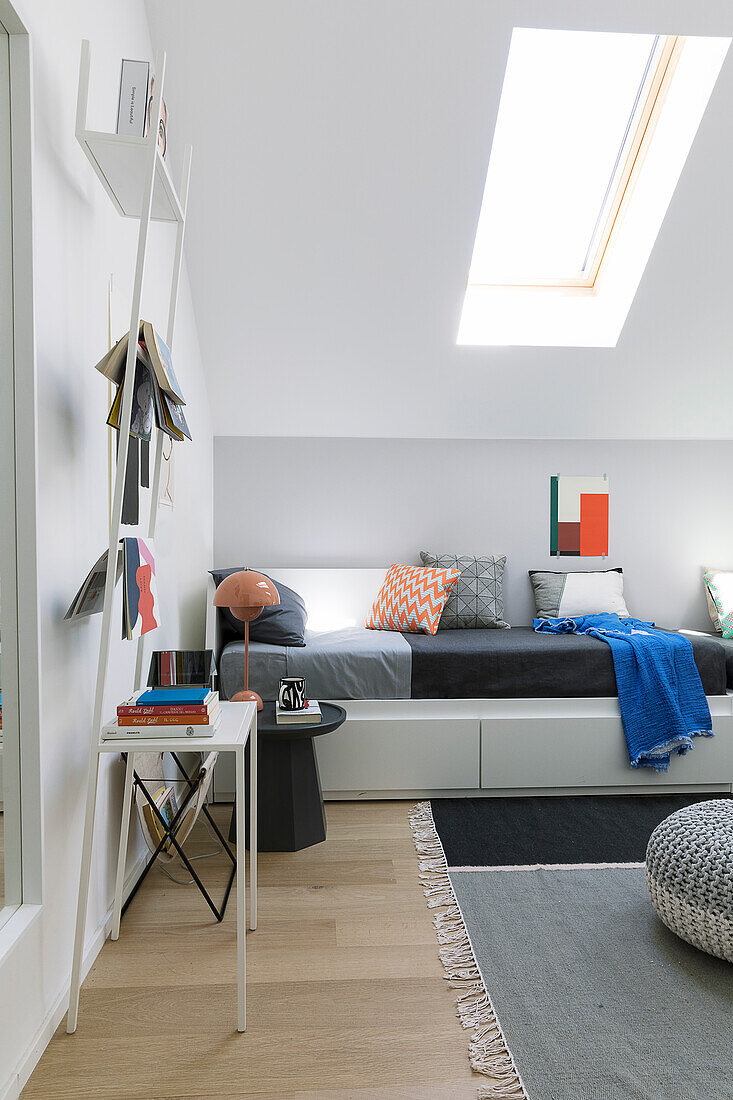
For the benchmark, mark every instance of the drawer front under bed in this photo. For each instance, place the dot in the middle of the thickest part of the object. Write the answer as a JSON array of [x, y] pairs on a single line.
[[586, 751]]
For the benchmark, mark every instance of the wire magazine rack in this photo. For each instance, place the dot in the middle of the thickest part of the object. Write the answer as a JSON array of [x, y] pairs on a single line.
[[166, 844]]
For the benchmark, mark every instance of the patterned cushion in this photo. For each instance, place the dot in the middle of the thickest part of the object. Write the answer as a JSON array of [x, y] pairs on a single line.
[[411, 599], [688, 872], [719, 591], [582, 592], [477, 599]]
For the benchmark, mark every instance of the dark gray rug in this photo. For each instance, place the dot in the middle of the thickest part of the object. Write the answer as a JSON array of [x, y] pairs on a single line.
[[597, 1000], [514, 832]]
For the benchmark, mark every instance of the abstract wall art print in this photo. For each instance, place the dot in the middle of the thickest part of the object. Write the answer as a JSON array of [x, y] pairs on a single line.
[[579, 517]]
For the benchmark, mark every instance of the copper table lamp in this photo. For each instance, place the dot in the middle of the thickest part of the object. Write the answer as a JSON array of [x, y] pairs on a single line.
[[245, 594]]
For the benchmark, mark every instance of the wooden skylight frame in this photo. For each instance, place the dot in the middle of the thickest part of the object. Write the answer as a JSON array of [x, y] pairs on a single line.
[[670, 49]]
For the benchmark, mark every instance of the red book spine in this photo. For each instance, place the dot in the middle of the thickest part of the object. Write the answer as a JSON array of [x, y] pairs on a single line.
[[183, 709], [165, 720]]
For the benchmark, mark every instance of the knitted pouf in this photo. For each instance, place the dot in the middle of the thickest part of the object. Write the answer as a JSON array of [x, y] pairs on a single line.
[[689, 872]]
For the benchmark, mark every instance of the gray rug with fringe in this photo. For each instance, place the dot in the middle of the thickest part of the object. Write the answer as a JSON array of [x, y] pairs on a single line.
[[572, 988]]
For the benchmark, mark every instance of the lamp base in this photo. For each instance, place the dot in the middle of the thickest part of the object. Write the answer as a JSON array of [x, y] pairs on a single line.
[[247, 697]]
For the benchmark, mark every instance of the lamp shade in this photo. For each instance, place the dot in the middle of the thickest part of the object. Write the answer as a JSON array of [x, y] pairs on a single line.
[[246, 593]]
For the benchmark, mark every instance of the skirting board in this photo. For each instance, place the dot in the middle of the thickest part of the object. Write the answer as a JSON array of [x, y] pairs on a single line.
[[522, 792], [30, 1058]]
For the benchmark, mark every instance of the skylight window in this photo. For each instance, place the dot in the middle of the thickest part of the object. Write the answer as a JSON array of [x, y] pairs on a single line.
[[589, 125], [558, 155]]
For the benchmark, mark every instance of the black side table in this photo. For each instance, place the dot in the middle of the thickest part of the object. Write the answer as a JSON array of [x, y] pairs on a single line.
[[290, 813]]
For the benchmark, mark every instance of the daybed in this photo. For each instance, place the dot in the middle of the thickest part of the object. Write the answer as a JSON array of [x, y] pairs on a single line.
[[465, 711]]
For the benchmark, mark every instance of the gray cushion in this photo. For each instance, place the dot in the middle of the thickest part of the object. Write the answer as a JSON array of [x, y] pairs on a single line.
[[476, 600], [580, 592], [283, 624]]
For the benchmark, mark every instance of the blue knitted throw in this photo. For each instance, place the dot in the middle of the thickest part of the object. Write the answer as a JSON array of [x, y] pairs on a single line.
[[663, 705]]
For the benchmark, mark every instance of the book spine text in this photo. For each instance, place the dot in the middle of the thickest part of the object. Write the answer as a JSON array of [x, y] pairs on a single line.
[[175, 708], [165, 720]]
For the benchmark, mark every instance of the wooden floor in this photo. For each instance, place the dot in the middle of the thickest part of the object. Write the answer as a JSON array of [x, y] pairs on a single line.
[[345, 993]]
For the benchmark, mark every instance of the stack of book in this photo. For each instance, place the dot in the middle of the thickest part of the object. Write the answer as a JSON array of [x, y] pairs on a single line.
[[167, 712], [310, 714]]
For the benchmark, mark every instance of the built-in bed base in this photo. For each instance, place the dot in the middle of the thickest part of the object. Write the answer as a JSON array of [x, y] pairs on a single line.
[[407, 748]]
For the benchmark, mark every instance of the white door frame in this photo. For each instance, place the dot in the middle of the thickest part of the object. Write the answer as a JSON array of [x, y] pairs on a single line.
[[21, 650]]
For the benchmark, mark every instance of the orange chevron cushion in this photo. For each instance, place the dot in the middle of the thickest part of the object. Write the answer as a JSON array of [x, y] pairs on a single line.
[[411, 599]]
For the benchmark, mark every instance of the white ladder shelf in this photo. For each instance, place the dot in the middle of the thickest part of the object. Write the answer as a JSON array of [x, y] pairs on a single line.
[[136, 178]]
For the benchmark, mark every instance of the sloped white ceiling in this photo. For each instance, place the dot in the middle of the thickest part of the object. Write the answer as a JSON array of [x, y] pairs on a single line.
[[340, 151]]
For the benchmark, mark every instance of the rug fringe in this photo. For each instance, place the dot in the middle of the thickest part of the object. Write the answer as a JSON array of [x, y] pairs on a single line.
[[487, 1050]]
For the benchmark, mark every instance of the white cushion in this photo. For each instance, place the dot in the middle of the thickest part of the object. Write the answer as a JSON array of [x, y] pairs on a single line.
[[581, 592], [593, 594]]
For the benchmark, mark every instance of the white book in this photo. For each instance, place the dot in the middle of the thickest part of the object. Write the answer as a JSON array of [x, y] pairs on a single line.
[[114, 732], [311, 713], [133, 102]]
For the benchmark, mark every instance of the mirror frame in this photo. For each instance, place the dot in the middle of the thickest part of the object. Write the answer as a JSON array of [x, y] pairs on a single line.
[[21, 651], [10, 792]]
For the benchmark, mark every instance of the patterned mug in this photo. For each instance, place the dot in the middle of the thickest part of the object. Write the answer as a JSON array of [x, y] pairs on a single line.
[[291, 695]]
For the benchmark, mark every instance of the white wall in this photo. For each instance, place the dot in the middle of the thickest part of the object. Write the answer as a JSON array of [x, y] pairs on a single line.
[[369, 502], [79, 241], [347, 143]]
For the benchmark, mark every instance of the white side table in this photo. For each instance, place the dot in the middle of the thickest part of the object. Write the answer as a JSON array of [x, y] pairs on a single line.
[[237, 727]]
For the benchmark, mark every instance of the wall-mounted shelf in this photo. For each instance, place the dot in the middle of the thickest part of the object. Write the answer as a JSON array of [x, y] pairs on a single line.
[[122, 164]]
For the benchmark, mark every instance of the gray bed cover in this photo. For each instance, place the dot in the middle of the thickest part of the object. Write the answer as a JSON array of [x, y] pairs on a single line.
[[357, 663], [354, 663]]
